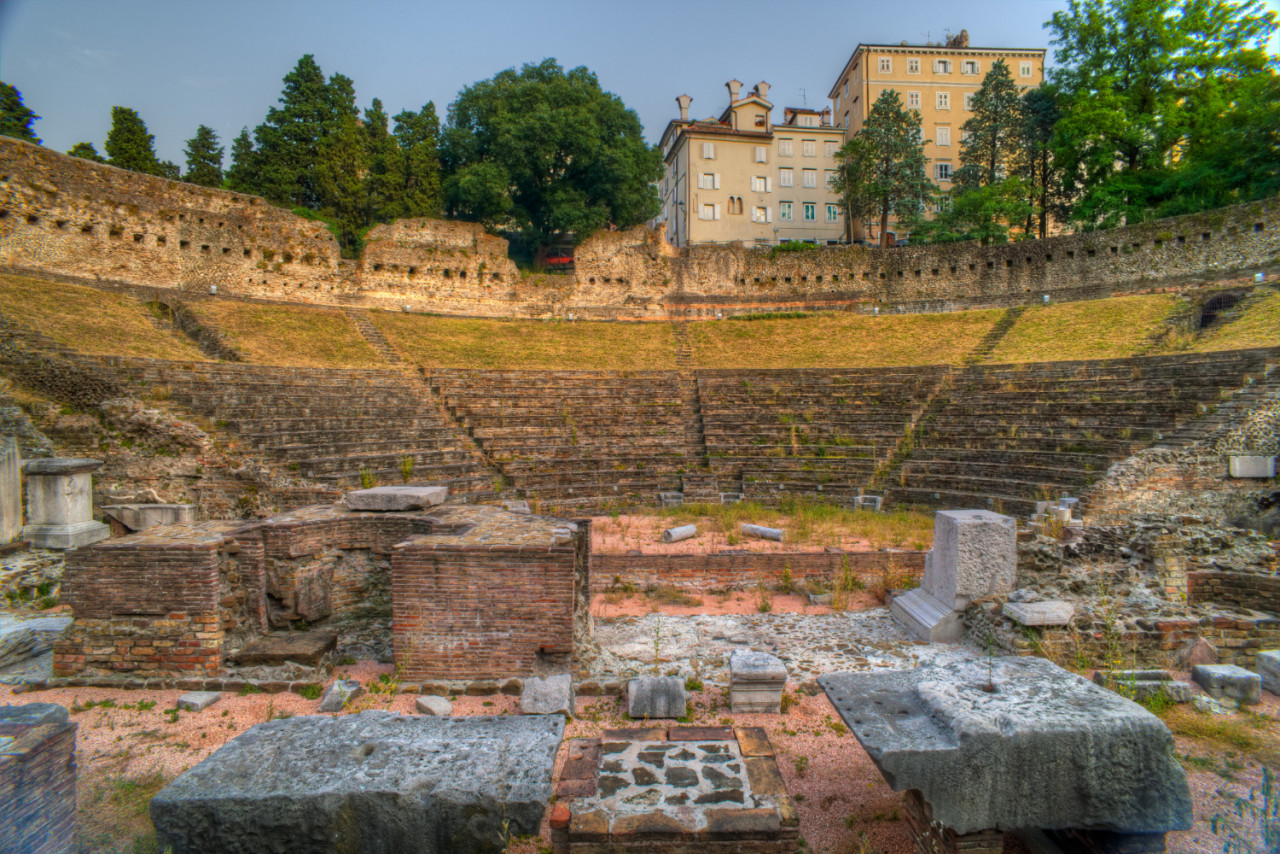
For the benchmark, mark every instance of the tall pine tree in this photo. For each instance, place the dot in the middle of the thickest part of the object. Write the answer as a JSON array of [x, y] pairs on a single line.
[[990, 144], [15, 118], [242, 176], [419, 137], [895, 178], [204, 158], [86, 151], [129, 145]]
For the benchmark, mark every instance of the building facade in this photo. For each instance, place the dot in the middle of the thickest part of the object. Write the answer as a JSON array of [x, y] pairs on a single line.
[[936, 80], [740, 178]]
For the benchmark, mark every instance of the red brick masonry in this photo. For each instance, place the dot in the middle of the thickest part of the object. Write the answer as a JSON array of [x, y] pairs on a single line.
[[38, 788]]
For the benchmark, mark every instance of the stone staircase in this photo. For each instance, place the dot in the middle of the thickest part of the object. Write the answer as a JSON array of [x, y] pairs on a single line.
[[995, 335], [372, 334], [684, 346]]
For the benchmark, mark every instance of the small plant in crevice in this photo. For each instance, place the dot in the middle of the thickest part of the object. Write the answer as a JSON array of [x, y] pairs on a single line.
[[368, 480], [406, 468]]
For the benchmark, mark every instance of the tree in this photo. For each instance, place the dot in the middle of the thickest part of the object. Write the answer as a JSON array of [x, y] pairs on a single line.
[[129, 145], [989, 146], [242, 176], [384, 180], [852, 182], [889, 162], [418, 135], [86, 151], [548, 152], [1144, 84], [15, 118], [204, 158], [987, 213], [1039, 114]]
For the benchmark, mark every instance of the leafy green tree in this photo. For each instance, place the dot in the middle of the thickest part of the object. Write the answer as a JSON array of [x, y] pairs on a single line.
[[1144, 84], [852, 182], [891, 162], [242, 176], [86, 151], [204, 158], [15, 118], [550, 153], [129, 145], [990, 144], [341, 162], [988, 213], [384, 180], [418, 135]]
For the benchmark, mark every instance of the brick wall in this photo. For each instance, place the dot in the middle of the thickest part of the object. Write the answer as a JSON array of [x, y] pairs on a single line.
[[1257, 592], [38, 788], [147, 610], [738, 571], [480, 613]]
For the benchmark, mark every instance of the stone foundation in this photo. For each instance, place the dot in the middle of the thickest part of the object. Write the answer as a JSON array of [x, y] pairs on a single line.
[[37, 779]]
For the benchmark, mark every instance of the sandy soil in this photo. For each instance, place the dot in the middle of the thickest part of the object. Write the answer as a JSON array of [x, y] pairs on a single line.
[[620, 534], [607, 605], [127, 752]]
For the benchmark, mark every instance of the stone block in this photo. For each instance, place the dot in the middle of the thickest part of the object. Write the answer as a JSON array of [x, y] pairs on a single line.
[[391, 499], [868, 502], [10, 489], [1027, 744], [308, 648], [656, 697], [521, 507], [1251, 465], [439, 707], [339, 694], [974, 554], [756, 681], [138, 517], [1050, 612], [1228, 680], [552, 695], [198, 701], [1138, 685], [927, 618], [34, 714], [22, 640], [60, 504], [372, 782], [1269, 670]]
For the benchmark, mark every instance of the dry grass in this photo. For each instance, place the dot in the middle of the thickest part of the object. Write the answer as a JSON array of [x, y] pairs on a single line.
[[840, 340], [1257, 326], [808, 522], [459, 342], [1093, 329], [291, 336], [89, 320]]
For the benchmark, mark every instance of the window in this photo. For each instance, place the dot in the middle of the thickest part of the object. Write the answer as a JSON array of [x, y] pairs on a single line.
[[784, 148], [810, 212], [784, 211], [760, 214], [944, 100], [913, 100], [709, 212], [886, 65], [942, 66], [846, 88], [829, 149], [827, 178], [708, 151], [786, 177], [810, 178], [968, 101], [1024, 69], [735, 204], [760, 184], [942, 136], [809, 148], [964, 136], [708, 180], [913, 66], [761, 154], [833, 213], [808, 121], [942, 171], [969, 66]]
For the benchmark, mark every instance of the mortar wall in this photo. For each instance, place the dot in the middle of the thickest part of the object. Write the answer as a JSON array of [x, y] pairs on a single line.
[[38, 789]]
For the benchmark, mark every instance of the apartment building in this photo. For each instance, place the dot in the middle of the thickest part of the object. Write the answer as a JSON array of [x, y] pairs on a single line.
[[937, 80], [741, 178]]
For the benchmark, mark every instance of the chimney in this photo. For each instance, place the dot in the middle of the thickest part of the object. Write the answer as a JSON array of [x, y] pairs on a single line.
[[684, 101], [826, 116], [762, 89], [734, 86]]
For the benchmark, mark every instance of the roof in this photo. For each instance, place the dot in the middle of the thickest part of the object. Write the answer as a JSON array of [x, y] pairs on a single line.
[[930, 49]]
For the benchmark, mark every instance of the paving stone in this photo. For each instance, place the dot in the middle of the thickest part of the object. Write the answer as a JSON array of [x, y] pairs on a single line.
[[439, 707], [396, 498], [197, 701], [753, 741], [339, 694], [1048, 612], [699, 733], [1228, 680], [307, 648], [372, 782], [994, 758], [552, 695], [656, 697]]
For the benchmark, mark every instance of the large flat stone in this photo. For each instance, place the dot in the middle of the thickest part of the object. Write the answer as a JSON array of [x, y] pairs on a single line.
[[299, 647], [1045, 749], [372, 782], [1050, 612], [552, 695], [656, 697], [927, 618], [1228, 680], [396, 498], [1269, 670]]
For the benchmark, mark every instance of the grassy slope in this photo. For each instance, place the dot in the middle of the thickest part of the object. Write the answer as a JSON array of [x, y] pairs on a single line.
[[1095, 329], [459, 342], [1257, 326], [840, 340], [290, 336], [89, 320]]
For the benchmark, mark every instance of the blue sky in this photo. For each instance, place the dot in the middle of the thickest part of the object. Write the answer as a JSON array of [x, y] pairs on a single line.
[[181, 63]]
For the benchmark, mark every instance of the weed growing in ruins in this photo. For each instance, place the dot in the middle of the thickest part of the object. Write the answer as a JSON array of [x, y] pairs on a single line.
[[764, 602], [657, 643], [310, 692], [786, 584], [406, 468], [368, 480], [802, 765]]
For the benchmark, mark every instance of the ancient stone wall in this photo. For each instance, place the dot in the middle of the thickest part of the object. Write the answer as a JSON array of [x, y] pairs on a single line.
[[746, 570], [72, 217], [1243, 590], [38, 787], [461, 612]]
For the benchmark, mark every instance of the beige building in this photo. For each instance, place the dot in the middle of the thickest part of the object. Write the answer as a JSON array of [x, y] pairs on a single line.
[[937, 80], [743, 179]]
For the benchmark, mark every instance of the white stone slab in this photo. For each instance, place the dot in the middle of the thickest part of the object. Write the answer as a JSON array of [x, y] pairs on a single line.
[[1269, 670], [10, 489], [927, 618], [974, 554], [396, 498], [1252, 465], [137, 517], [60, 504], [66, 536], [1051, 612], [196, 701]]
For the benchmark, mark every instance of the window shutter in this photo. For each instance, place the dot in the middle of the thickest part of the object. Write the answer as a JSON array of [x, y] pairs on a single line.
[[768, 214], [717, 213], [715, 182], [768, 185]]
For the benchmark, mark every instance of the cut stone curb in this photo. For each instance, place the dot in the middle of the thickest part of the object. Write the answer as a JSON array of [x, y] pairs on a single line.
[[198, 701], [339, 694], [1228, 680], [1269, 670], [434, 706], [391, 499], [552, 695]]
